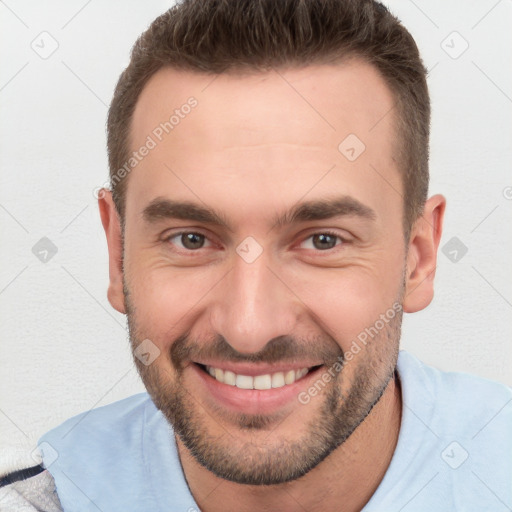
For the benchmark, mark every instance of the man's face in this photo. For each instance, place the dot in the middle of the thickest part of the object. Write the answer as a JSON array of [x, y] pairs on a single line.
[[251, 299]]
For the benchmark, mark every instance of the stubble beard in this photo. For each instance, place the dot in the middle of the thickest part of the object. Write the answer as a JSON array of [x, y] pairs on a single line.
[[272, 461]]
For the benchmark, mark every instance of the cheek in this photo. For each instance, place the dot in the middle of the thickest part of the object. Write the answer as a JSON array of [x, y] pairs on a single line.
[[347, 301], [166, 300]]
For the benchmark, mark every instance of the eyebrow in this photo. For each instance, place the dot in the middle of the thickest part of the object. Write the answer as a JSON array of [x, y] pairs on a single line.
[[163, 208]]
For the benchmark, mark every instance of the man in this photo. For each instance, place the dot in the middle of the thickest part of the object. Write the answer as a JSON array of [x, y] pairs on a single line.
[[267, 226]]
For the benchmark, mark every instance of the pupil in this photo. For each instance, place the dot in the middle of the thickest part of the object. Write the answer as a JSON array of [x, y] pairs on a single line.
[[192, 240], [325, 241]]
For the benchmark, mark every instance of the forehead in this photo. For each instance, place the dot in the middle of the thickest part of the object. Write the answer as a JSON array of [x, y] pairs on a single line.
[[337, 97], [265, 131]]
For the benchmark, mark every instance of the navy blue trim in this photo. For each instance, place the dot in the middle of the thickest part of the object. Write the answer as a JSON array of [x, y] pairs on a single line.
[[21, 474]]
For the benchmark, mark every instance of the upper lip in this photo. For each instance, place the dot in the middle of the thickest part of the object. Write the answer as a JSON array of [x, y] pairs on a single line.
[[254, 369]]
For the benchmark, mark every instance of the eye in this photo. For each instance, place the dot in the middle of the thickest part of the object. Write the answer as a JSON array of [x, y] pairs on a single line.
[[322, 241], [189, 240]]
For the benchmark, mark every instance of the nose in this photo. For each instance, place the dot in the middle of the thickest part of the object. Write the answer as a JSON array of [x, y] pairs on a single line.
[[253, 305]]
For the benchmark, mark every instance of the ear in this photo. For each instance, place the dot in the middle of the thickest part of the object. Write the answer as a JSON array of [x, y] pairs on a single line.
[[112, 227], [422, 255]]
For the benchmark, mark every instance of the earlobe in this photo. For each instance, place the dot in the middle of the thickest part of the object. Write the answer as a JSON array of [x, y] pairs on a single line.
[[112, 226], [422, 255]]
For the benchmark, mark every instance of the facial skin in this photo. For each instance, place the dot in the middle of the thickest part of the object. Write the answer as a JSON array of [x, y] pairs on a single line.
[[254, 148]]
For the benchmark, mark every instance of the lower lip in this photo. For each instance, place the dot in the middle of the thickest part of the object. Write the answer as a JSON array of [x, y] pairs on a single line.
[[253, 401]]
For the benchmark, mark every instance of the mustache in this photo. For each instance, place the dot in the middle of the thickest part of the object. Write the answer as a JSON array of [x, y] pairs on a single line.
[[280, 349]]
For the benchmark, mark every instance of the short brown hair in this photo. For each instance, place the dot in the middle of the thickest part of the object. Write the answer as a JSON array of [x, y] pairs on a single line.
[[217, 36]]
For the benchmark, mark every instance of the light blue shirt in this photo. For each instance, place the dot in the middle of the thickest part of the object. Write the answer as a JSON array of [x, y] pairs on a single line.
[[454, 451]]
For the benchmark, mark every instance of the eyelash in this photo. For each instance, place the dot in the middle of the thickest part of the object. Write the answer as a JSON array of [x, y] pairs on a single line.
[[324, 232]]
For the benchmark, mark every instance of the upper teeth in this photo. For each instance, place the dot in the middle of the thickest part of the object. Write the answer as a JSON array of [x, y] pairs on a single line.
[[267, 381]]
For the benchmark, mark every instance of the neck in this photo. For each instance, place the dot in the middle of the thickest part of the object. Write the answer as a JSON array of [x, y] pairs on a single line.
[[349, 476]]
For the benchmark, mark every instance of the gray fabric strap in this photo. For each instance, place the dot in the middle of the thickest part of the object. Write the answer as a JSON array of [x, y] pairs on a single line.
[[34, 494]]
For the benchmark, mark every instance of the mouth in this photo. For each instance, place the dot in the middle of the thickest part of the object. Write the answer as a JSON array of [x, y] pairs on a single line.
[[251, 389], [261, 382]]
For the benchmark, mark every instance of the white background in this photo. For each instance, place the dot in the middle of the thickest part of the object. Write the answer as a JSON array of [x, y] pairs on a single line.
[[65, 350]]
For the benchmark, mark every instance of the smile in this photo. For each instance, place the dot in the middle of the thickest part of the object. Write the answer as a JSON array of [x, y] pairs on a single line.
[[261, 382], [248, 388]]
